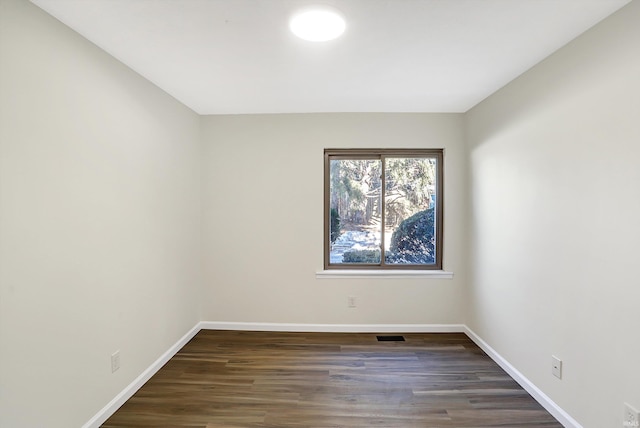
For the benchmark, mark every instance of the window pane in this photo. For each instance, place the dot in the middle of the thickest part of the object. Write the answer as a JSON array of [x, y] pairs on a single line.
[[410, 226], [355, 204]]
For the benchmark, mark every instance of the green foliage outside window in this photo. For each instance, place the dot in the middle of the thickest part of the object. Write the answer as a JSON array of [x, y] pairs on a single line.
[[335, 225], [383, 203], [413, 241]]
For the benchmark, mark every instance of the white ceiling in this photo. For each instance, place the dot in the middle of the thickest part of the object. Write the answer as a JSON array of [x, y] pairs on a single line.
[[238, 56]]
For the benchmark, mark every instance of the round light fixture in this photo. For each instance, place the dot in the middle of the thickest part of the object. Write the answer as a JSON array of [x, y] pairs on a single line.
[[318, 24]]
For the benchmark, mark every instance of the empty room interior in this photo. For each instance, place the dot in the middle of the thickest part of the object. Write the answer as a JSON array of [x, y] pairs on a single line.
[[162, 175]]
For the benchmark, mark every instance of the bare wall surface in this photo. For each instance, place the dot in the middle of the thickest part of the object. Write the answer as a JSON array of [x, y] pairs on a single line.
[[99, 222], [264, 220], [554, 188]]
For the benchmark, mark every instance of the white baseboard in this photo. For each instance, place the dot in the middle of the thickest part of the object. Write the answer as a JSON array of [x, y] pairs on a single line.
[[563, 417], [134, 386], [335, 328]]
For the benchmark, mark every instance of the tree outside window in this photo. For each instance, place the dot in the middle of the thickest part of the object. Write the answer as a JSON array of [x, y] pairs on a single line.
[[383, 209]]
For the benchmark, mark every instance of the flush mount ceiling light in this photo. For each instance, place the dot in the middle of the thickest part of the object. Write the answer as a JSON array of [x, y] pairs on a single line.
[[318, 24]]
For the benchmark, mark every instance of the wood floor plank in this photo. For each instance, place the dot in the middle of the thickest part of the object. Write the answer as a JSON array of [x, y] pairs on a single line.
[[277, 379]]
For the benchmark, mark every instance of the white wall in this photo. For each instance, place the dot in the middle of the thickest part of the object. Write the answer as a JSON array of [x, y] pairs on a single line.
[[99, 222], [264, 222], [554, 224]]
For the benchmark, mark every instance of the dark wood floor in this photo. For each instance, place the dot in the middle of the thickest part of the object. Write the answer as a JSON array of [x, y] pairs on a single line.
[[321, 380]]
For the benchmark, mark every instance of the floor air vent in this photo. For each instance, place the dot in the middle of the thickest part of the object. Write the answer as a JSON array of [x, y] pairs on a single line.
[[390, 338]]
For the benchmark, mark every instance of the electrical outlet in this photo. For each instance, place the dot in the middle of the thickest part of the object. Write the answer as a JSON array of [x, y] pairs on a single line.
[[556, 367], [631, 417], [115, 361], [351, 301]]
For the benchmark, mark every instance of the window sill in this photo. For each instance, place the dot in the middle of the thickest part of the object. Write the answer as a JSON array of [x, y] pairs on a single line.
[[356, 273]]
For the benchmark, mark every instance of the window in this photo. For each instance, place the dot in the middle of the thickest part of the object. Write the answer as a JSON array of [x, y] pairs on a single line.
[[383, 208]]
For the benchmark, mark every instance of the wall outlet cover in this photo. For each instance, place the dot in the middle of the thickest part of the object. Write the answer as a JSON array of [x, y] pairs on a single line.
[[556, 367], [631, 417], [115, 361]]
